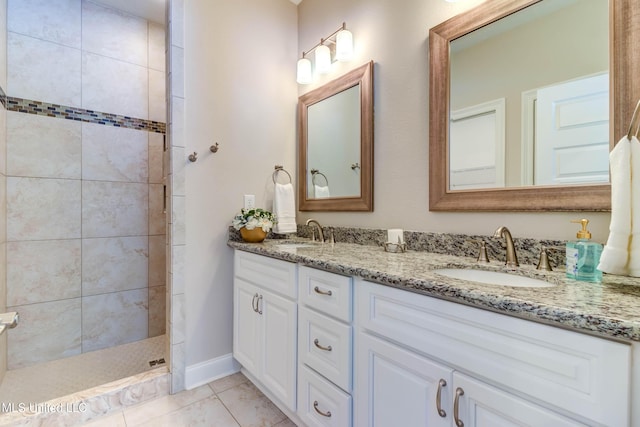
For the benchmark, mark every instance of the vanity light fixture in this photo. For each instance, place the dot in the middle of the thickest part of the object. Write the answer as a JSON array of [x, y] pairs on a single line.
[[343, 51]]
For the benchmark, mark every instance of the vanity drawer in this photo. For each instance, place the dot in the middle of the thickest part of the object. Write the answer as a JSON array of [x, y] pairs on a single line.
[[269, 273], [321, 403], [575, 372], [326, 292], [325, 345]]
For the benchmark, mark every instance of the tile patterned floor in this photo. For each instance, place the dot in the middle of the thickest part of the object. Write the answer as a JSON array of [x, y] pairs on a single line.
[[232, 401]]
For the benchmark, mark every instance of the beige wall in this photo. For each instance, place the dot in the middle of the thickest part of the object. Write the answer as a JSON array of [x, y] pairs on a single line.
[[395, 36], [240, 91]]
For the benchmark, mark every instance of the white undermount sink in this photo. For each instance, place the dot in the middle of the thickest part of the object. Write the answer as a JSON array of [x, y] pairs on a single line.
[[493, 277], [296, 245]]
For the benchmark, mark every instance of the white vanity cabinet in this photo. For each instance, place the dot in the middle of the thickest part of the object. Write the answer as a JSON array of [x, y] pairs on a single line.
[[325, 349], [265, 322], [498, 370]]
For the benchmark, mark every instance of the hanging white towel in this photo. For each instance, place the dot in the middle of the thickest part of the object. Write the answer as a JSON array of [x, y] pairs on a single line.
[[284, 207], [615, 256], [321, 191], [634, 255]]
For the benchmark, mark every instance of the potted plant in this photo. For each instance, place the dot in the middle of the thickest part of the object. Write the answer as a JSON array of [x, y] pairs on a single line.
[[254, 224]]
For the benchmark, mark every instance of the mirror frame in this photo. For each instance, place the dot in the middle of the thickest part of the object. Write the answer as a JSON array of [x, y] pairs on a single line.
[[624, 92], [362, 76]]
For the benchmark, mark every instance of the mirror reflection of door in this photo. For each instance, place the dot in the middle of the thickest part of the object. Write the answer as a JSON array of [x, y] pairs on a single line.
[[543, 45], [572, 132], [476, 149], [333, 146]]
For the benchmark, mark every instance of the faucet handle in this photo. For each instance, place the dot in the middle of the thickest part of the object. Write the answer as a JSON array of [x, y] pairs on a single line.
[[483, 255], [543, 262]]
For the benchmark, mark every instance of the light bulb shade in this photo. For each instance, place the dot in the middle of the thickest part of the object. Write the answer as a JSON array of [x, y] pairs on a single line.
[[323, 59], [304, 71], [344, 45]]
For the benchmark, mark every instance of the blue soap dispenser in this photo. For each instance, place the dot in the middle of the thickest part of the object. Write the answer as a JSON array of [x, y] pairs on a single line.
[[583, 256]]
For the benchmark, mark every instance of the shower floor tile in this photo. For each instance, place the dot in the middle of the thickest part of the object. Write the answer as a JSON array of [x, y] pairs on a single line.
[[57, 378]]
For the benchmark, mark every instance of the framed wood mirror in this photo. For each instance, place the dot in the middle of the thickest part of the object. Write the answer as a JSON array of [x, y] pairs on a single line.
[[623, 94], [335, 151]]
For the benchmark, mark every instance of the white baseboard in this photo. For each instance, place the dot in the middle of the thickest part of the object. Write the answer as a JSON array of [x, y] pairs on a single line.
[[210, 370]]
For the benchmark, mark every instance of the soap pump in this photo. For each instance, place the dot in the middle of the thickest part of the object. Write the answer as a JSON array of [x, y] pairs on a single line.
[[583, 256]]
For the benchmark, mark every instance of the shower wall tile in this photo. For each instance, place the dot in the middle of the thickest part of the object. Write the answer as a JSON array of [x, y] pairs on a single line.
[[41, 271], [114, 319], [156, 209], [3, 138], [58, 21], [43, 70], [178, 163], [156, 158], [39, 146], [114, 154], [177, 122], [3, 44], [3, 211], [43, 209], [112, 209], [178, 324], [157, 310], [48, 331], [114, 86], [178, 269], [157, 100], [177, 71], [114, 264], [156, 47], [178, 228], [157, 260], [176, 17], [109, 32]]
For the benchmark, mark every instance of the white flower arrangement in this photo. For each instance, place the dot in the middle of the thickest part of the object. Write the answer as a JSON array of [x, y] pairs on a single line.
[[252, 218]]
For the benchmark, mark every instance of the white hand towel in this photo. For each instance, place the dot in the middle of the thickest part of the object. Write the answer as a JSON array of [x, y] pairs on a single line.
[[634, 255], [615, 256], [284, 207], [321, 191]]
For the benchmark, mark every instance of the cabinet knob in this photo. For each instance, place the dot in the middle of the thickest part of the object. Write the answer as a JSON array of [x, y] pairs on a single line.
[[456, 407], [316, 342], [324, 414], [317, 290], [442, 383]]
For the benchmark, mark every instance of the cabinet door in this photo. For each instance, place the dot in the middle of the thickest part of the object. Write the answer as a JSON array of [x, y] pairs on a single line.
[[395, 387], [278, 338], [482, 405], [245, 325]]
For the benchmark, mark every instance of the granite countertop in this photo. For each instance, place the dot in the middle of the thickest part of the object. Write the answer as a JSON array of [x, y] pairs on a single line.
[[610, 309]]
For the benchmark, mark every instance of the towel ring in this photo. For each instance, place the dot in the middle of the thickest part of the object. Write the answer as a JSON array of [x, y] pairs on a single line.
[[314, 175], [279, 168], [633, 123]]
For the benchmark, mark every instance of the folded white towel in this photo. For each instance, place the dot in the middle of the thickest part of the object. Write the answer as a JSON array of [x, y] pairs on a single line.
[[615, 256], [284, 207], [321, 191], [634, 255]]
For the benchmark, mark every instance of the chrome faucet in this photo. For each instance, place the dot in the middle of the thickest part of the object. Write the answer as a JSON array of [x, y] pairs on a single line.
[[320, 233], [511, 257]]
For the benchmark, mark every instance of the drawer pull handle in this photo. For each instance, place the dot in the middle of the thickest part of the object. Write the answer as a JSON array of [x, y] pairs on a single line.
[[456, 404], [316, 342], [324, 414], [254, 306], [258, 304], [321, 292], [442, 383]]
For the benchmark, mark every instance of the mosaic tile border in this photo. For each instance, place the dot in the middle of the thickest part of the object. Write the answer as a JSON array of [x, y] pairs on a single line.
[[47, 109]]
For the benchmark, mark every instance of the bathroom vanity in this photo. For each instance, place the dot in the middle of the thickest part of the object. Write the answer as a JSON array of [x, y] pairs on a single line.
[[346, 334]]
